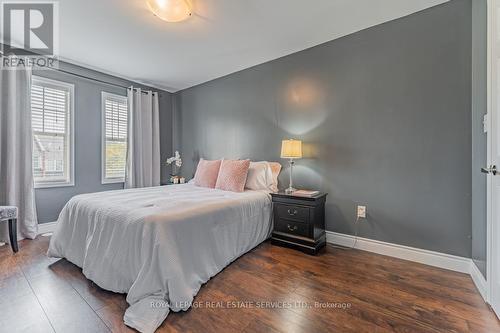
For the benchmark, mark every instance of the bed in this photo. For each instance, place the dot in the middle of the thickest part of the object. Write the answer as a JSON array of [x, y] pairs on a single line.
[[159, 244]]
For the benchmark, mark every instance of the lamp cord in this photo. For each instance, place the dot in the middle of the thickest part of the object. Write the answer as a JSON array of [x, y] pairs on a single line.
[[356, 230]]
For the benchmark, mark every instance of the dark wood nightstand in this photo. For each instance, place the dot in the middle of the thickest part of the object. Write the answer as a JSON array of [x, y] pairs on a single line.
[[299, 222]]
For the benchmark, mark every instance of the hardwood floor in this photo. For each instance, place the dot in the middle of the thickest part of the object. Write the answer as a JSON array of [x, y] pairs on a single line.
[[356, 291]]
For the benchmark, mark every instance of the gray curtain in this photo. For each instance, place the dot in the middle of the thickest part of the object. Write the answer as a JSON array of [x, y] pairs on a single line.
[[16, 138], [143, 148]]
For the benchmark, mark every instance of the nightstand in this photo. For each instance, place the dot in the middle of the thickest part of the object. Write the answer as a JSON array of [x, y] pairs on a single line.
[[299, 222]]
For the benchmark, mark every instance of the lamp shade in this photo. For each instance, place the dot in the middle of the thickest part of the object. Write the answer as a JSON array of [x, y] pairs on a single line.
[[170, 10], [291, 149]]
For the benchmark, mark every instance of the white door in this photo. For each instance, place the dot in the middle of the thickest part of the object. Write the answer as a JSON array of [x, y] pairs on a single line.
[[494, 155]]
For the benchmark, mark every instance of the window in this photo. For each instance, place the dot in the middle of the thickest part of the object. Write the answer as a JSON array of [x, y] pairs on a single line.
[[114, 137], [52, 124]]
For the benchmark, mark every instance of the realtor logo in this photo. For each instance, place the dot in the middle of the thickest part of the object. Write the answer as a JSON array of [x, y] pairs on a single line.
[[30, 29]]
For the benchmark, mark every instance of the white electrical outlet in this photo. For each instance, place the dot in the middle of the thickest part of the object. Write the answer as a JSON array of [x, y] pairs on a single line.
[[361, 212]]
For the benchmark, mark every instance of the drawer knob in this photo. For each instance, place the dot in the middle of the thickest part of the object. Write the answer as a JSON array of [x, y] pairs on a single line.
[[292, 228], [292, 213]]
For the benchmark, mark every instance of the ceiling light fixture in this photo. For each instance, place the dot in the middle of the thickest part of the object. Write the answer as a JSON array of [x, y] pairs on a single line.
[[171, 10]]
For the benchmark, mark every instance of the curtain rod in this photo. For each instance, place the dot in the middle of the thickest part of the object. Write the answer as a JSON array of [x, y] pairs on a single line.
[[97, 80], [91, 78]]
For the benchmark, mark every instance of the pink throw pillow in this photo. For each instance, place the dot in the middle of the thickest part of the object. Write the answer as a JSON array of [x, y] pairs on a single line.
[[206, 173], [275, 168], [233, 175]]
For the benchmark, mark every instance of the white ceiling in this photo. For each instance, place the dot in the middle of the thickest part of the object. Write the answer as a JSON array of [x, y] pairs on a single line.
[[123, 38]]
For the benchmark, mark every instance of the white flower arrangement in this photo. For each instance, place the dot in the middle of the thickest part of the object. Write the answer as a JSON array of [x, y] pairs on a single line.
[[175, 159]]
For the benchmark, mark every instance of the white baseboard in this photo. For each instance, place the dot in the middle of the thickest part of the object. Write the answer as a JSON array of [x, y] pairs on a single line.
[[479, 280], [44, 228], [432, 258]]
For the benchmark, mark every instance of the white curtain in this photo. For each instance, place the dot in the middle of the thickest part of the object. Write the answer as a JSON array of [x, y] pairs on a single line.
[[143, 148], [16, 139]]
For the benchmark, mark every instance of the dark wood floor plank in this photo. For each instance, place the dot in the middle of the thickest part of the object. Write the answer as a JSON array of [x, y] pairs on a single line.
[[9, 267], [257, 326], [65, 308], [402, 298], [13, 287], [95, 296], [277, 313], [23, 314], [17, 299], [112, 316], [385, 295], [441, 283], [363, 316]]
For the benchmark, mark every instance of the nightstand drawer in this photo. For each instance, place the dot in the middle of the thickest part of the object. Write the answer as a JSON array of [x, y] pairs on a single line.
[[292, 212], [292, 228]]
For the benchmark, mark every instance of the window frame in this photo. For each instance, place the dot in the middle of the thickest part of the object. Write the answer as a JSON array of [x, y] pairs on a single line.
[[70, 131], [104, 96]]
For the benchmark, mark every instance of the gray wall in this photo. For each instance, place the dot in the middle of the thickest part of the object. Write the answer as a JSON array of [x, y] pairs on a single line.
[[385, 117], [479, 89], [49, 201]]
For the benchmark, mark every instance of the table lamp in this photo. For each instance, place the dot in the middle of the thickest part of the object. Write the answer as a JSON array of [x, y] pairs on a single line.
[[291, 149]]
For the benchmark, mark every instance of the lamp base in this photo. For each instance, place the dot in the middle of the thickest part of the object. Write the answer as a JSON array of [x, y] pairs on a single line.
[[290, 190]]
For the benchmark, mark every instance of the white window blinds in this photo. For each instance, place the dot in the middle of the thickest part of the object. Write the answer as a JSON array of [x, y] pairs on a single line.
[[115, 113], [51, 112]]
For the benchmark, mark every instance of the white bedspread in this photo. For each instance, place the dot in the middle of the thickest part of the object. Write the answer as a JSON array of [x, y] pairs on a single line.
[[159, 244]]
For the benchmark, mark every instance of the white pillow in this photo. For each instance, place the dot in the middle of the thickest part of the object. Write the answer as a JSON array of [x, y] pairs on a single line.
[[259, 176]]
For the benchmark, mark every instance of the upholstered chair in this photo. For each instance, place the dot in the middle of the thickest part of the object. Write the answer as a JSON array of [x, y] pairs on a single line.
[[9, 214]]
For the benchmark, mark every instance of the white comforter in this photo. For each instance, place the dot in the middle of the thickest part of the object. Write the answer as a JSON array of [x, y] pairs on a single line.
[[159, 244]]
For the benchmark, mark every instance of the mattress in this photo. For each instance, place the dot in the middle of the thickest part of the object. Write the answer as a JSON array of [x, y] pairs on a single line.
[[159, 244]]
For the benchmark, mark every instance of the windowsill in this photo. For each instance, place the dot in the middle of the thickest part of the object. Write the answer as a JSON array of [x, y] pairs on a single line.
[[53, 185], [112, 181]]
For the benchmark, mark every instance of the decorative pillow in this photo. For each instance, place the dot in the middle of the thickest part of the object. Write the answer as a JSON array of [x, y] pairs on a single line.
[[232, 175], [275, 168], [259, 176], [206, 173]]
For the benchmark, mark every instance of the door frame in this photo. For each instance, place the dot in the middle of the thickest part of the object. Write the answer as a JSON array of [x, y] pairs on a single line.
[[489, 222]]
